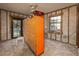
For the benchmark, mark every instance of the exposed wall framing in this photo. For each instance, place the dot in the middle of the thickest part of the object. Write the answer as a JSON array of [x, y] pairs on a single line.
[[77, 27], [8, 14], [62, 8], [12, 12], [6, 26], [61, 25], [0, 24], [68, 24]]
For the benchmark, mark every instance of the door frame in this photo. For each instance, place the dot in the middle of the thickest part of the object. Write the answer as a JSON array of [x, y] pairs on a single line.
[[77, 27], [12, 25]]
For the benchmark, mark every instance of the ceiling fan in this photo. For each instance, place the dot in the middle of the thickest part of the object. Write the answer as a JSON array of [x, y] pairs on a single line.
[[33, 7], [34, 11]]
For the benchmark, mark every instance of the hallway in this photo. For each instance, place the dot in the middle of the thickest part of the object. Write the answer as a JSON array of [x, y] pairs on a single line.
[[17, 47]]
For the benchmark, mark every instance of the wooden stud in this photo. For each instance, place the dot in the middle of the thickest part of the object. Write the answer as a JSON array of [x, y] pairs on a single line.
[[62, 8], [61, 25], [56, 33], [6, 25], [49, 24], [0, 24], [77, 27], [48, 29], [13, 12], [12, 25], [68, 23]]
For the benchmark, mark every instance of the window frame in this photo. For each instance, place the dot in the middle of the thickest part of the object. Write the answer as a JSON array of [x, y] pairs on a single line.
[[59, 32]]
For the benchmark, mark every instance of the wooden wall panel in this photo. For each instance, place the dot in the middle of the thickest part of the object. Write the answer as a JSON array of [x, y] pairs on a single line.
[[59, 35], [46, 23], [72, 25], [65, 26], [0, 24], [68, 22], [5, 31], [77, 27], [9, 25], [3, 26]]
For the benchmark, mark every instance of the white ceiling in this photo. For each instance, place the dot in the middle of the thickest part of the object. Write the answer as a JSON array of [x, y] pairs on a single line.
[[25, 7]]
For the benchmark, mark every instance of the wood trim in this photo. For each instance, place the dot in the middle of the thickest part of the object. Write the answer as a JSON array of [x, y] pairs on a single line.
[[77, 30], [56, 14], [49, 24], [62, 8], [77, 25], [9, 24], [55, 33], [13, 12], [49, 27], [21, 27], [44, 30], [16, 16], [61, 25], [0, 25], [6, 25], [49, 21], [68, 23], [12, 25]]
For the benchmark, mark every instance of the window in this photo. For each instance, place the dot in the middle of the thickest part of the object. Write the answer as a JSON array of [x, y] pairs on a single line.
[[16, 28], [55, 23]]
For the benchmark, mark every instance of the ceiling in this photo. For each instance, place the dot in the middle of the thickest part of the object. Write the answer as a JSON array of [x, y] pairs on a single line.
[[25, 7]]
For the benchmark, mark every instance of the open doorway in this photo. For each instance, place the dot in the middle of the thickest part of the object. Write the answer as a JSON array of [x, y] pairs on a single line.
[[17, 27]]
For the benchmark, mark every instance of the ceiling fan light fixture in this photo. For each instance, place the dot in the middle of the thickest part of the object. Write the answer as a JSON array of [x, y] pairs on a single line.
[[34, 11], [33, 6]]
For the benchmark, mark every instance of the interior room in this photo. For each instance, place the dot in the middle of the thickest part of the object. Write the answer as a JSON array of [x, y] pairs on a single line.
[[39, 29]]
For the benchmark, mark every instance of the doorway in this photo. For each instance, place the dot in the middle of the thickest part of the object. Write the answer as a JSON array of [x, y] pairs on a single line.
[[17, 27]]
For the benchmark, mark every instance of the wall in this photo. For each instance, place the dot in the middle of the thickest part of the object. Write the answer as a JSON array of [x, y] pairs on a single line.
[[0, 25], [5, 24], [68, 25], [72, 25]]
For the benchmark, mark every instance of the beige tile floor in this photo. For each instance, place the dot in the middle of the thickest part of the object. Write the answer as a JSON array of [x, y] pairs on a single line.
[[17, 47]]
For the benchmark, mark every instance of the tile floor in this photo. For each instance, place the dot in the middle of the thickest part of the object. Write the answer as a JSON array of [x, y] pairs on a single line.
[[17, 47]]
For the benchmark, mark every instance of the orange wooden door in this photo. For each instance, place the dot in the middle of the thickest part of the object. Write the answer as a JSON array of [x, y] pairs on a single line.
[[34, 34]]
